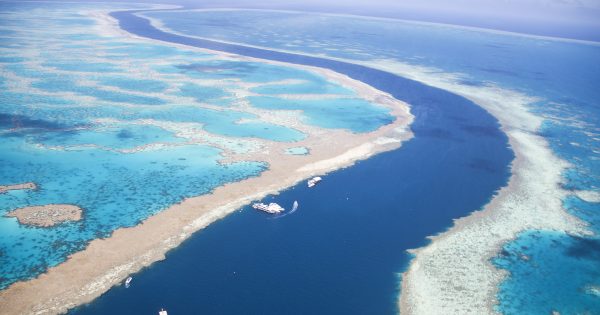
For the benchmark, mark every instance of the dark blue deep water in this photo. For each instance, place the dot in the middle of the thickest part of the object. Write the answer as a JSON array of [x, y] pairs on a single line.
[[562, 76], [342, 251]]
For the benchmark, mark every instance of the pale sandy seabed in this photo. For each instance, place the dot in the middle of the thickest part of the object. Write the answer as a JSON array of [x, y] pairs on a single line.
[[454, 273], [46, 215], [106, 262], [5, 188]]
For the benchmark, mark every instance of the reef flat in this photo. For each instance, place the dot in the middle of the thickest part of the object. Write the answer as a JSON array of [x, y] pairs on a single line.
[[46, 215], [5, 188]]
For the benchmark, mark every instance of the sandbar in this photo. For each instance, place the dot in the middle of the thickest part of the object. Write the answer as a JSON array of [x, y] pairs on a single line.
[[22, 186], [46, 215]]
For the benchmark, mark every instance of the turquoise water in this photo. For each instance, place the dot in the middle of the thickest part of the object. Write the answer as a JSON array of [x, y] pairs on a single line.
[[83, 67], [140, 85], [318, 85], [297, 151], [562, 75], [111, 137], [537, 256], [241, 70], [11, 59], [66, 85], [124, 50], [355, 115], [87, 118], [10, 99], [202, 93]]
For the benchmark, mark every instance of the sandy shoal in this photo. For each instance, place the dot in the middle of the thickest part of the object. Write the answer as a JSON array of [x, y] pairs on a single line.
[[46, 215], [22, 186]]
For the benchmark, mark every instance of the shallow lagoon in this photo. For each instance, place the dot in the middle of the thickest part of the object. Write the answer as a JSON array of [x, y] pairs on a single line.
[[110, 137], [140, 85], [355, 115]]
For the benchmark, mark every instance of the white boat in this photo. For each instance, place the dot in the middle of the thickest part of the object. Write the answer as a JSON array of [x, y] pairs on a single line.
[[128, 281], [295, 206], [313, 181], [270, 208], [162, 312], [260, 206]]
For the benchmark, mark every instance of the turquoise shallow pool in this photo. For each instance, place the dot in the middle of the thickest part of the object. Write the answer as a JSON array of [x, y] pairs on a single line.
[[356, 115], [116, 137], [138, 85], [297, 151], [122, 128]]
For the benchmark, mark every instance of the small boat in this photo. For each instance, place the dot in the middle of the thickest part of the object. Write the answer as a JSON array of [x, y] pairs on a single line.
[[313, 181], [128, 281], [270, 208], [162, 312], [295, 206]]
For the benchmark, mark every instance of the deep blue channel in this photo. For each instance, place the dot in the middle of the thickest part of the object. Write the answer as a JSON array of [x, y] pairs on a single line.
[[343, 250]]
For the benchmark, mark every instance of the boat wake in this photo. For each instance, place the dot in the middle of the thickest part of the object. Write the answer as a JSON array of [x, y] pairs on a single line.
[[294, 208]]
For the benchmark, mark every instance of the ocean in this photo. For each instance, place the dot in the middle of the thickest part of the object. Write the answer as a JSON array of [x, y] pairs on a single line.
[[343, 249], [560, 75]]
